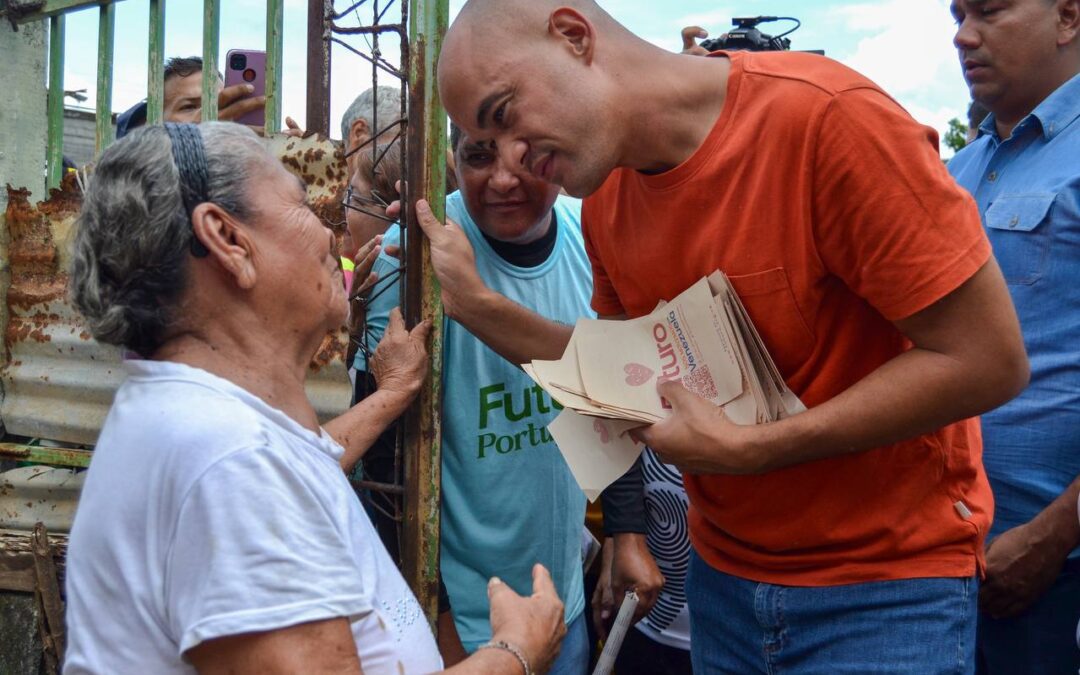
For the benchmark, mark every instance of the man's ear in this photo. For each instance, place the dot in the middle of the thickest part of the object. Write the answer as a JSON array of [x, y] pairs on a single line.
[[359, 132], [227, 241], [1068, 21], [575, 30]]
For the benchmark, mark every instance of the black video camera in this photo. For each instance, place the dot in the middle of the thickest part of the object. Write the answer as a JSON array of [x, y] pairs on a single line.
[[746, 37]]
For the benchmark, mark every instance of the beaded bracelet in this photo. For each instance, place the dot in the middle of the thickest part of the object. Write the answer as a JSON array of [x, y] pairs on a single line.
[[506, 646]]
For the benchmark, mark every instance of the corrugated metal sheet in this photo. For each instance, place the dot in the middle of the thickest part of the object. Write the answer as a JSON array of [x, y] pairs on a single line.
[[39, 494], [58, 382], [79, 135]]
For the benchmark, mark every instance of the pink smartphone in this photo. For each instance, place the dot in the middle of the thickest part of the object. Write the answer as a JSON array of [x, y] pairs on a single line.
[[248, 66]]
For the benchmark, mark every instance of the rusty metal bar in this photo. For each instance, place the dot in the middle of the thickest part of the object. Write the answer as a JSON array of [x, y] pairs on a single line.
[[155, 63], [47, 591], [55, 158], [368, 30], [211, 39], [35, 454], [388, 488], [106, 32], [380, 63], [318, 65], [426, 156], [275, 26]]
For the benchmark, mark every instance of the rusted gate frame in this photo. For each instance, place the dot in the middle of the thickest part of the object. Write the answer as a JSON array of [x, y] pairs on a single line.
[[387, 497], [30, 566], [426, 154], [414, 501], [420, 31]]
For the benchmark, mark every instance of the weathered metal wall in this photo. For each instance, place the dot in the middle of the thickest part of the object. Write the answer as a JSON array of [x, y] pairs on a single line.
[[79, 130], [22, 107], [58, 382], [22, 124]]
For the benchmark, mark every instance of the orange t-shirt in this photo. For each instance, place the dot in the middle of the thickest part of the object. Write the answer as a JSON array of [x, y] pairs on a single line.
[[831, 211]]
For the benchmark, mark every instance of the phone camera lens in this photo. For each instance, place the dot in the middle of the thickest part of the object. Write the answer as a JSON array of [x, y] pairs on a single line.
[[238, 61]]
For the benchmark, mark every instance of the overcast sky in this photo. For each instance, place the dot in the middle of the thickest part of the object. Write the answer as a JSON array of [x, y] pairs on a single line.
[[903, 45]]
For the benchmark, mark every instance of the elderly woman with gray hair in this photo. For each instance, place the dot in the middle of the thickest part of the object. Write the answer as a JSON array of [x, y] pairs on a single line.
[[216, 532]]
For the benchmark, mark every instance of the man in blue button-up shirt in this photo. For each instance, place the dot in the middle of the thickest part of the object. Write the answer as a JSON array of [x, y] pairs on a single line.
[[1021, 59]]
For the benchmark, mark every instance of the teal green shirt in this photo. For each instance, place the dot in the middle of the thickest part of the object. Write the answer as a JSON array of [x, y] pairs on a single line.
[[509, 500]]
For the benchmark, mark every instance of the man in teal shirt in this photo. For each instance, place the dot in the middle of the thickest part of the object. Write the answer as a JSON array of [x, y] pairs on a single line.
[[509, 500], [1021, 60]]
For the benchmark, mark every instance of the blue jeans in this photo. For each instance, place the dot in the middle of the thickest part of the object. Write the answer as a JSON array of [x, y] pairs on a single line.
[[1041, 640], [922, 626], [573, 657]]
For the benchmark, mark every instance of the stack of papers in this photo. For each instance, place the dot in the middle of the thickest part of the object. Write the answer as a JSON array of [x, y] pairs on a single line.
[[606, 379]]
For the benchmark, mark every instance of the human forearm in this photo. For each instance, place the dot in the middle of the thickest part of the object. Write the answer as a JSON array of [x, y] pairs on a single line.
[[359, 427], [515, 333], [1022, 563], [968, 357], [1059, 523], [512, 331], [914, 393], [623, 503]]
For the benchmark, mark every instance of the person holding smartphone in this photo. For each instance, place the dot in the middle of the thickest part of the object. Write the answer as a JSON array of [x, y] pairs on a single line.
[[183, 100]]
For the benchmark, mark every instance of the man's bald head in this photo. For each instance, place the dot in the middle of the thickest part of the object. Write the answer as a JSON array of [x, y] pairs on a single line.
[[500, 14], [537, 75], [494, 29]]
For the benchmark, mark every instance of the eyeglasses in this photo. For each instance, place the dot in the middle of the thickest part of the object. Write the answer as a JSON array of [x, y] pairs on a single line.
[[374, 206], [357, 202]]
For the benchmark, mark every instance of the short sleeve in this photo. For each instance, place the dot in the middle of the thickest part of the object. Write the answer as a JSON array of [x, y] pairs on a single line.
[[257, 549], [889, 219], [605, 301]]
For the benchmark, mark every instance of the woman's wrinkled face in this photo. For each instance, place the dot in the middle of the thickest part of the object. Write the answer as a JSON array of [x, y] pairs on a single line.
[[296, 254]]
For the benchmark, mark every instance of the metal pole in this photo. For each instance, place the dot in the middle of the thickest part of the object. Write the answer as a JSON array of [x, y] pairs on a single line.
[[318, 66], [155, 63], [426, 153], [106, 29], [211, 38], [275, 22], [55, 157]]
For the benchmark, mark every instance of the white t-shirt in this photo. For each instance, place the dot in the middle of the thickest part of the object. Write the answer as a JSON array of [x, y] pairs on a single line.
[[208, 513]]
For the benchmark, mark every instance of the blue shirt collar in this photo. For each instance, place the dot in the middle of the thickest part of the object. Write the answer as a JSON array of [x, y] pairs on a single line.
[[1057, 111]]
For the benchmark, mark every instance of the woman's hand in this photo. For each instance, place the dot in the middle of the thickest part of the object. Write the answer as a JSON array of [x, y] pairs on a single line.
[[364, 260], [534, 624], [400, 362]]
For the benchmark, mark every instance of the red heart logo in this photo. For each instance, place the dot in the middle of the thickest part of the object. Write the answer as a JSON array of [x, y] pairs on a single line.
[[637, 374], [601, 428]]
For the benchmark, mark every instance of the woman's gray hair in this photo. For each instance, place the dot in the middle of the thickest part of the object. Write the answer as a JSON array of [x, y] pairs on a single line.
[[132, 246]]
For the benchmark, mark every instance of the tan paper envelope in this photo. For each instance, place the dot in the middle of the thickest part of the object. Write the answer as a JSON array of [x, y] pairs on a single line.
[[788, 403], [685, 340], [597, 451]]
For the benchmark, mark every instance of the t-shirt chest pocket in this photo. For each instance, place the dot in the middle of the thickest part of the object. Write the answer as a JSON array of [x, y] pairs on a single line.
[[1019, 230], [770, 302]]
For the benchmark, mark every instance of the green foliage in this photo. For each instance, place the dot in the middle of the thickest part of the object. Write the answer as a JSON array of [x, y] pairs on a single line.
[[956, 136]]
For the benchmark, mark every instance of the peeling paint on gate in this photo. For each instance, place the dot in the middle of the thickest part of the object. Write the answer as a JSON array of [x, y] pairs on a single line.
[[58, 382]]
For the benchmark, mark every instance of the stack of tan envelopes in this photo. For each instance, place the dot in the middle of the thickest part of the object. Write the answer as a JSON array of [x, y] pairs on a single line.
[[608, 375]]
